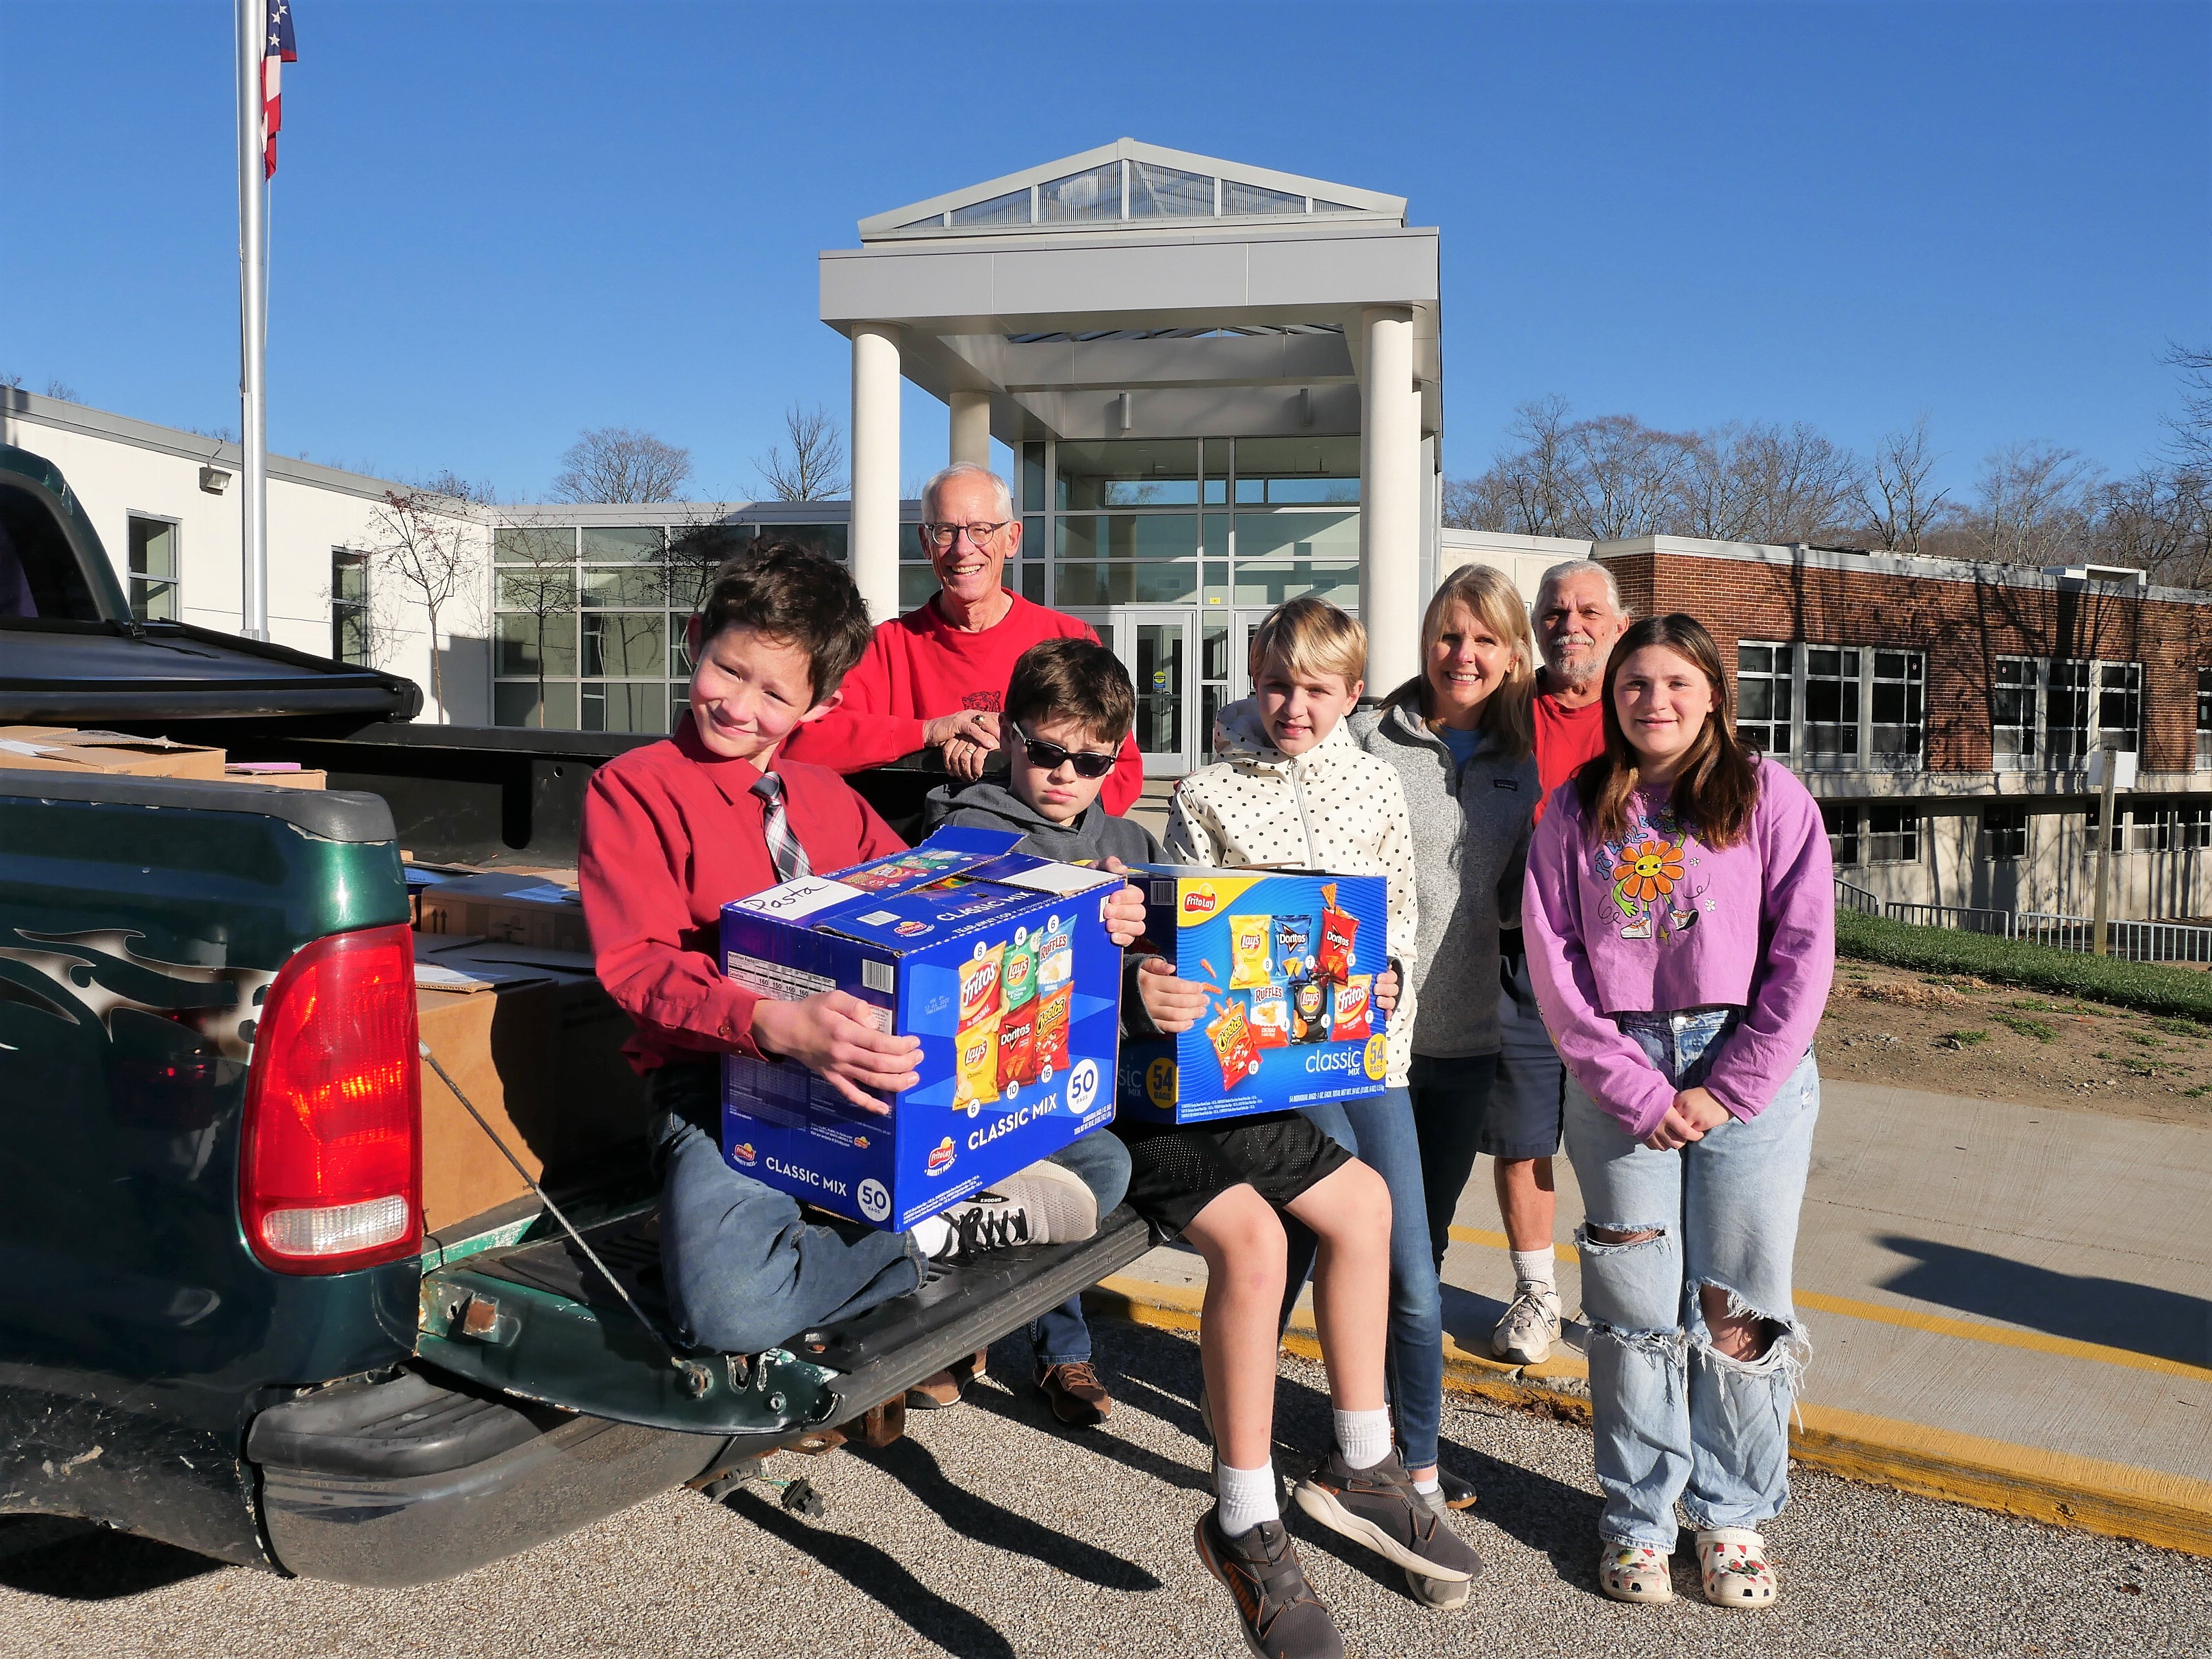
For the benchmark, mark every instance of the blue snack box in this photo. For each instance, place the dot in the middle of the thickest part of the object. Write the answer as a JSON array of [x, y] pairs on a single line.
[[997, 960], [1291, 1021]]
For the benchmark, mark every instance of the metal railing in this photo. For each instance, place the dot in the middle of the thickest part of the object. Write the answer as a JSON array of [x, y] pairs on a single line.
[[2130, 941]]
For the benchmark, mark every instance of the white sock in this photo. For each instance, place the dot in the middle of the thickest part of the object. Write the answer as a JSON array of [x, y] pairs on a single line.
[[1425, 1488], [1363, 1437], [931, 1233], [1243, 1498], [1535, 1267]]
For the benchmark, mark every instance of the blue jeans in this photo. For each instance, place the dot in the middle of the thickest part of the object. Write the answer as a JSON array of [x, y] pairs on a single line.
[[1674, 1417], [744, 1271], [1379, 1132], [1061, 1336], [1451, 1104]]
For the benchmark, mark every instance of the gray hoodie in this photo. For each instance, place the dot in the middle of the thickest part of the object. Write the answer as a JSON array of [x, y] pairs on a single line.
[[988, 803], [1471, 827]]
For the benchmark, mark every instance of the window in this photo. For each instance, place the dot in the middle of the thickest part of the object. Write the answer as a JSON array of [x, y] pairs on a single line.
[[2004, 832], [2091, 818], [2076, 704], [2204, 719], [1892, 835], [1763, 685], [349, 627], [1839, 708], [153, 569], [2168, 829], [1842, 823]]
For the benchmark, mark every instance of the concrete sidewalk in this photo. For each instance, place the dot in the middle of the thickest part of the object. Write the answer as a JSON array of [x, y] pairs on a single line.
[[2010, 1306]]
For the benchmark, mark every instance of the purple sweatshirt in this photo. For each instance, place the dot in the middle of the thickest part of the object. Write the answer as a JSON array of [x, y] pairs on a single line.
[[1657, 922]]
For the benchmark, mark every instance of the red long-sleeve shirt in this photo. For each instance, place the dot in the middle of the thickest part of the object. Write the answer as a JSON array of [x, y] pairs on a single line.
[[672, 833], [919, 667], [1566, 739]]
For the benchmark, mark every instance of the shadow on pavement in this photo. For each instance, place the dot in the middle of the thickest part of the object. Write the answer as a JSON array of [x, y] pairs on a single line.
[[1035, 1413], [76, 1560], [876, 1574], [914, 1467], [2140, 1318]]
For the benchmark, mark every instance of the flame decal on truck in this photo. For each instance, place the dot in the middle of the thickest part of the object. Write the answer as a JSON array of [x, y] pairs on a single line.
[[73, 969]]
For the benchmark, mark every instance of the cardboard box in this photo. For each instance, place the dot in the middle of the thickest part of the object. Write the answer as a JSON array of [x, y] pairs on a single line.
[[284, 775], [540, 1053], [65, 749], [1292, 1020], [513, 909], [998, 962]]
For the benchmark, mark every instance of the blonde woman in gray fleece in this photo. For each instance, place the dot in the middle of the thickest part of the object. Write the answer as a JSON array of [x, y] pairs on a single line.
[[1460, 735]]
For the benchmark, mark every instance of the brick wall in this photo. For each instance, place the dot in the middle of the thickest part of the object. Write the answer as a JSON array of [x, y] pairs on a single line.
[[1962, 626]]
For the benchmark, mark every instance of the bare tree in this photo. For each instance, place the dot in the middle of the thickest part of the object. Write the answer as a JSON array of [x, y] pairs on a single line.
[[2193, 428], [447, 482], [416, 536], [814, 470], [2032, 505], [66, 394], [1765, 482], [1527, 489], [534, 575], [11, 378], [619, 464], [1623, 476], [1898, 501]]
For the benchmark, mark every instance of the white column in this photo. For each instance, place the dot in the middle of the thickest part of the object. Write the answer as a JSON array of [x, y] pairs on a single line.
[[1389, 498], [971, 426], [875, 531]]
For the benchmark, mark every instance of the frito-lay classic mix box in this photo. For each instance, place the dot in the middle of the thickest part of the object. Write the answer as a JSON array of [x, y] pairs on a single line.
[[1291, 1019], [998, 961]]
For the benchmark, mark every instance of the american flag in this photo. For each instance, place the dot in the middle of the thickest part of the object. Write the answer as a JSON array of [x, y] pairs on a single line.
[[275, 54]]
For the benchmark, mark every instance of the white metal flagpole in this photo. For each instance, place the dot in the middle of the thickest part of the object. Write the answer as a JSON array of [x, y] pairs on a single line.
[[252, 323]]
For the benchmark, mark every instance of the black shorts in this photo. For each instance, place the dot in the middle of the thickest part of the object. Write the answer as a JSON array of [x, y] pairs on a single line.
[[1177, 1171]]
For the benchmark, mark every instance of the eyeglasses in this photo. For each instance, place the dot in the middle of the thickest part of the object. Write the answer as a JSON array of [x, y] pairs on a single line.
[[942, 535], [1087, 763]]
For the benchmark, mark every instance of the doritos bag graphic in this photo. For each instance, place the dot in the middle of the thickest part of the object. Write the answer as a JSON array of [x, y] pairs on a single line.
[[1293, 943], [1248, 952], [1017, 1046], [1230, 1033], [1271, 1017], [1350, 1014], [980, 985], [1338, 932]]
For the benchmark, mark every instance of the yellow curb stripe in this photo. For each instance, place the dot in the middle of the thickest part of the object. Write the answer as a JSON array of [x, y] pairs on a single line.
[[1935, 1324], [2060, 1489]]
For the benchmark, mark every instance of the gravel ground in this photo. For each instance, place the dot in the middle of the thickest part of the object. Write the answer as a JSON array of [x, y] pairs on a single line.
[[989, 1533]]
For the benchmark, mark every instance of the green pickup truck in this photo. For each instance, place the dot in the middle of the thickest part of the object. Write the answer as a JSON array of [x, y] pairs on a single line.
[[223, 1322]]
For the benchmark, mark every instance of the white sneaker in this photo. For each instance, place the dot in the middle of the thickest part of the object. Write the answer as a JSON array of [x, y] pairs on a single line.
[[1043, 1204], [1531, 1326]]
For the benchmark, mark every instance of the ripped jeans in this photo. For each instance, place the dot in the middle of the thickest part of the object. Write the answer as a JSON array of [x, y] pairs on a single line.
[[1674, 1417]]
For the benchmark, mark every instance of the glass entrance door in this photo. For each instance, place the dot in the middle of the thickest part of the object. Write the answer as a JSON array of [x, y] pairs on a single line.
[[1157, 649]]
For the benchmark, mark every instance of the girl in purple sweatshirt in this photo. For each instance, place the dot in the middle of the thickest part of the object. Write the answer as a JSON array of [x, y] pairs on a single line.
[[1681, 920]]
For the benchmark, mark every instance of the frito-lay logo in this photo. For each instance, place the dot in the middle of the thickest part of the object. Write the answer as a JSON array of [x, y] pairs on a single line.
[[1198, 902], [940, 1156], [743, 1153]]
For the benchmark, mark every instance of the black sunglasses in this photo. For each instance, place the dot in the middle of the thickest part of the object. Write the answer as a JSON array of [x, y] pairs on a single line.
[[1088, 763]]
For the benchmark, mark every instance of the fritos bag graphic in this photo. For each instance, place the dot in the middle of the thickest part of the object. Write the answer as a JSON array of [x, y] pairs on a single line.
[[980, 984], [1231, 1032], [1350, 1018], [1248, 952], [976, 1059], [1338, 932], [1271, 1017]]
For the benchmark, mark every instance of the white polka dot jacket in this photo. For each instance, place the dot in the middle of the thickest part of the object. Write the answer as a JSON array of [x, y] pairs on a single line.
[[1334, 807]]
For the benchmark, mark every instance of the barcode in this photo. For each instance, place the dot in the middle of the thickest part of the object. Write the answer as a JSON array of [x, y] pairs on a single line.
[[1163, 892], [878, 918], [878, 975]]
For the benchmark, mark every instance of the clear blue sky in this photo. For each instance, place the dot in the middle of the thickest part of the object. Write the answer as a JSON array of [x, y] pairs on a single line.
[[496, 224]]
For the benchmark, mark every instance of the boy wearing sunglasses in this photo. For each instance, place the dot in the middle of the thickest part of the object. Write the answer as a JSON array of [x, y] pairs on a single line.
[[1068, 708]]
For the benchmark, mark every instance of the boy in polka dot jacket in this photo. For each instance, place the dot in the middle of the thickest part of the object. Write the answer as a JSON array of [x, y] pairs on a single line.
[[1291, 788]]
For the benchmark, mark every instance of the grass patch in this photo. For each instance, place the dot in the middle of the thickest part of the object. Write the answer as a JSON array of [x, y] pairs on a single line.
[[2041, 1030], [2147, 1041], [2149, 987], [1966, 1039], [2185, 1028]]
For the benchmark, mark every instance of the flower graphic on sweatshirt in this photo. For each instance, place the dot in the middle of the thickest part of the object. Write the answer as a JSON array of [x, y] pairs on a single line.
[[1649, 869], [1646, 872]]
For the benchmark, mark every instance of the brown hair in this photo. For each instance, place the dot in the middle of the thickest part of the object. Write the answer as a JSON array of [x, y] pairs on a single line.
[[1718, 785], [805, 599], [1311, 636], [1507, 717], [1078, 680]]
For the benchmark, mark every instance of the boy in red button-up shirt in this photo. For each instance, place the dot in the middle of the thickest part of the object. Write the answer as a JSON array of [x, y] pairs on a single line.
[[674, 831]]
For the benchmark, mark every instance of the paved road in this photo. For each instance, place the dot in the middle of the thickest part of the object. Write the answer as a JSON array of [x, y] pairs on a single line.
[[988, 1534]]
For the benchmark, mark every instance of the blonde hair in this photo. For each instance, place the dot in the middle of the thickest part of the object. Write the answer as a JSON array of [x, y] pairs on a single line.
[[1309, 636], [1508, 717]]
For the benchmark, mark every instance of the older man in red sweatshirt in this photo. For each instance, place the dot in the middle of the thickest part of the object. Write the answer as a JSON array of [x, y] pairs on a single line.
[[936, 678]]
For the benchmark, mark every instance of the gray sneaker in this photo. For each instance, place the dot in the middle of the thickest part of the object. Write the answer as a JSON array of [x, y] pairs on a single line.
[[1531, 1325], [1379, 1508], [1043, 1204], [1283, 1619]]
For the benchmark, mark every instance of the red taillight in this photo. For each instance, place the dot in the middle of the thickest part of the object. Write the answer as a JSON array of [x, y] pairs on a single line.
[[331, 1177]]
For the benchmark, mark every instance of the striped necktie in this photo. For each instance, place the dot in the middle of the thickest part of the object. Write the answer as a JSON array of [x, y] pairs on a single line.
[[783, 848]]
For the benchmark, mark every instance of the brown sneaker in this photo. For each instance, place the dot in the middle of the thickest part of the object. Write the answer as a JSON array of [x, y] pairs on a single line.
[[935, 1393], [1283, 1619], [1078, 1398]]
